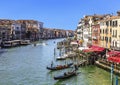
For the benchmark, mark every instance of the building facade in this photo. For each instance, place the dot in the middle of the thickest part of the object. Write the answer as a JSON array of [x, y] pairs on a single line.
[[6, 29], [31, 29], [20, 29], [96, 34]]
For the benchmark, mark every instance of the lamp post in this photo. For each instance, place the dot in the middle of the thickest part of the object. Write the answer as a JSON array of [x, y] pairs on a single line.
[[112, 69]]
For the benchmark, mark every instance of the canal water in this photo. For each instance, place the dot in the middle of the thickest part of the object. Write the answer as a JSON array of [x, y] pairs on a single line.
[[26, 65]]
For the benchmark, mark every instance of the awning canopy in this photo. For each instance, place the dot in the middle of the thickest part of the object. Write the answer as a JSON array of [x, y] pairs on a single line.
[[94, 49], [113, 53], [114, 59]]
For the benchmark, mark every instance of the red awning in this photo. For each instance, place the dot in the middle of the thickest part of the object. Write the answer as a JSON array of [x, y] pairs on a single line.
[[114, 59], [113, 53], [94, 49], [97, 48]]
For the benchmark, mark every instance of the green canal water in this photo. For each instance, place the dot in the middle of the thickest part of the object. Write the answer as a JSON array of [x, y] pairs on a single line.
[[26, 65]]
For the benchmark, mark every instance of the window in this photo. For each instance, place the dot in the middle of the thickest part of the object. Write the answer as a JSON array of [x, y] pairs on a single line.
[[110, 39], [116, 23], [110, 30], [100, 31], [113, 33], [103, 31], [116, 44], [113, 43], [106, 39], [17, 28], [86, 36], [116, 33], [106, 31], [113, 23], [101, 23], [110, 23], [107, 23]]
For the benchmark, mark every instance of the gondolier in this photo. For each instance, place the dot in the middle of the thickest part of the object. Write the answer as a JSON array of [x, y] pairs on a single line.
[[52, 64], [76, 67]]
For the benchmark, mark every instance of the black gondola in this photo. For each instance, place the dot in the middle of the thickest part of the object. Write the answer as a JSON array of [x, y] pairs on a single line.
[[66, 75], [59, 67]]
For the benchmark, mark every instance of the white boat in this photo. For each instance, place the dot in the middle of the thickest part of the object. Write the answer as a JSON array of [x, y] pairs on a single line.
[[62, 57]]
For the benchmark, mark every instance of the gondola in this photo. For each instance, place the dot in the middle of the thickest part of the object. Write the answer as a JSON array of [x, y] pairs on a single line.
[[66, 75], [59, 67]]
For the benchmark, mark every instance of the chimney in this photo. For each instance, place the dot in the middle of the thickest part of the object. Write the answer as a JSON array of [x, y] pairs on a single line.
[[118, 13]]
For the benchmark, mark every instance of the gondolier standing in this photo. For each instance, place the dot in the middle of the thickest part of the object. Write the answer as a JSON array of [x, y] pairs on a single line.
[[52, 64], [76, 67]]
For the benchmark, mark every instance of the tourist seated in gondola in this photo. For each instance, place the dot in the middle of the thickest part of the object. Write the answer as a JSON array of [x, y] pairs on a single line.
[[65, 73], [76, 67]]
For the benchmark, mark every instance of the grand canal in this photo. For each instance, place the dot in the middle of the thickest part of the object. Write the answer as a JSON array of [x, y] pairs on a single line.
[[26, 65]]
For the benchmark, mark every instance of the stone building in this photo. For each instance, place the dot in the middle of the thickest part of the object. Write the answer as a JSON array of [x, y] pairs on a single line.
[[6, 29], [110, 32], [20, 29], [31, 29]]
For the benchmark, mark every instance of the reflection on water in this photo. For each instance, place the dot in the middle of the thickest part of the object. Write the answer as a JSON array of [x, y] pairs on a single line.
[[26, 65]]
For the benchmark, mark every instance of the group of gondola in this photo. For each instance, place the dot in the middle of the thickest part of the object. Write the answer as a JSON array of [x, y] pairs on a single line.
[[65, 75]]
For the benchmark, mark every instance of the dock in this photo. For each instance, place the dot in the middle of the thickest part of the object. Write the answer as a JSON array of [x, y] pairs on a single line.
[[107, 66]]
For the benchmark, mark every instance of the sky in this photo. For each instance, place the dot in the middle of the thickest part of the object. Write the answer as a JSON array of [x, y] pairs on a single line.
[[61, 14]]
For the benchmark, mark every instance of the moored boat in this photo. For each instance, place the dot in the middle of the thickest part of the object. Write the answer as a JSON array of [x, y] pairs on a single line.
[[25, 42], [66, 75], [62, 57], [59, 67]]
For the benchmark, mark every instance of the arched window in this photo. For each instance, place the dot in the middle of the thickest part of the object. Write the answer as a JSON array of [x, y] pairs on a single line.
[[115, 43]]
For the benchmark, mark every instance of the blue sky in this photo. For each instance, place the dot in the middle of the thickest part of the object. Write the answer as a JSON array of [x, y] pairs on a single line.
[[63, 14]]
